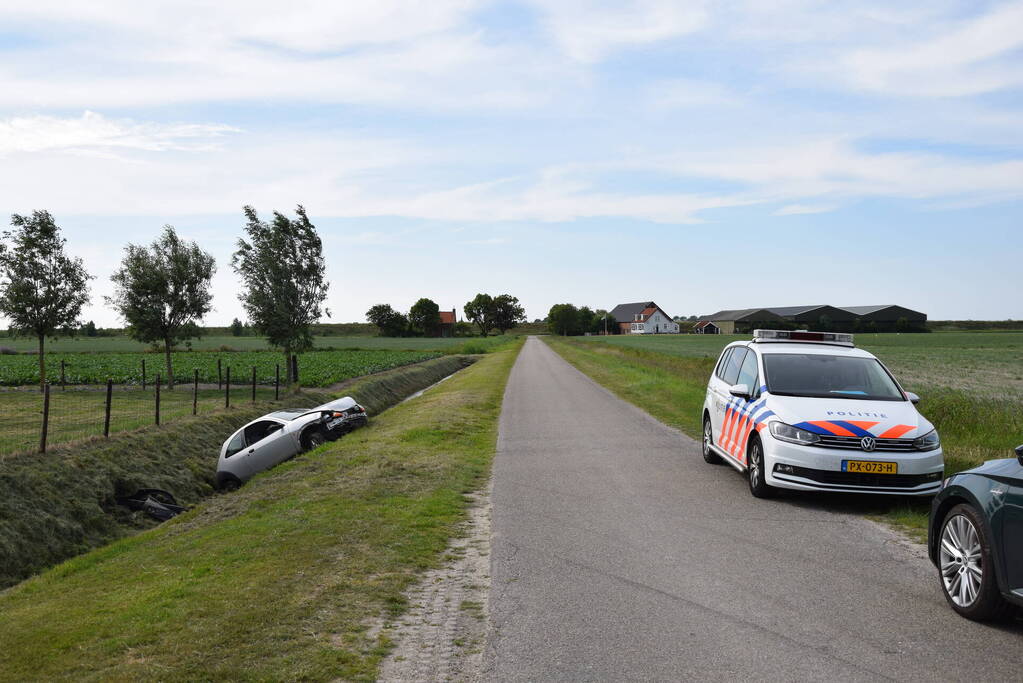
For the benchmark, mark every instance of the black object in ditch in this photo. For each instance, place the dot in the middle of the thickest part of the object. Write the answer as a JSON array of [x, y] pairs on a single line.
[[156, 503]]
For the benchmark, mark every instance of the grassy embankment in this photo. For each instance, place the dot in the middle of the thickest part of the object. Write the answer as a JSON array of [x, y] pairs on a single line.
[[956, 373], [60, 504], [279, 580]]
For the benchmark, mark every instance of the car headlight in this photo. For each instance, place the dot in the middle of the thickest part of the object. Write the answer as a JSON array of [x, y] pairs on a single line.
[[786, 432], [927, 442]]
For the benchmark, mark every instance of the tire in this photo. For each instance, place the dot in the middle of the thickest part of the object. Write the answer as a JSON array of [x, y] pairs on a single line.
[[708, 439], [755, 470], [966, 567], [313, 439], [229, 483]]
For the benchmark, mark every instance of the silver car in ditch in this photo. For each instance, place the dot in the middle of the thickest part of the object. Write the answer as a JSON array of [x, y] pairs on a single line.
[[281, 435]]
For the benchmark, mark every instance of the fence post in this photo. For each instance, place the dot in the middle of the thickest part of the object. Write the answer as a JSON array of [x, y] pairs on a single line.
[[143, 374], [227, 391], [62, 382], [294, 369], [46, 417], [253, 383], [220, 375], [195, 393], [157, 385], [106, 416], [277, 382]]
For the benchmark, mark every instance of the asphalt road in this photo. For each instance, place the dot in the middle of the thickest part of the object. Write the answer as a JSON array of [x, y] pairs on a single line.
[[618, 554]]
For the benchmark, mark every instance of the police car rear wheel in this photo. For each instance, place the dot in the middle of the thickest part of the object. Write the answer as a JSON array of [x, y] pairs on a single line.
[[708, 439], [758, 485]]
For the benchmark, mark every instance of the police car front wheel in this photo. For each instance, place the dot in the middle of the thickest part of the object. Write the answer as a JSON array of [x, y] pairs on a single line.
[[756, 472]]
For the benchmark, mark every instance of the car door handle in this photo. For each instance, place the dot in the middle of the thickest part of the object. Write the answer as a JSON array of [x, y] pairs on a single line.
[[251, 450]]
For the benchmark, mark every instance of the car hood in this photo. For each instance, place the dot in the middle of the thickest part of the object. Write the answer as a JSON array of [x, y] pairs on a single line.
[[1003, 469], [844, 417]]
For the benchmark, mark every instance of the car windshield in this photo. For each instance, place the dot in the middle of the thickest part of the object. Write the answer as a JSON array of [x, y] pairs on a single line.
[[821, 376]]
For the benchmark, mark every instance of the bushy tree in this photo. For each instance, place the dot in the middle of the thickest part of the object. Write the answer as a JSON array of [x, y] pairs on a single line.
[[507, 313], [89, 329], [481, 312], [563, 319], [282, 268], [424, 318], [237, 328], [163, 292], [391, 322], [42, 289], [602, 320]]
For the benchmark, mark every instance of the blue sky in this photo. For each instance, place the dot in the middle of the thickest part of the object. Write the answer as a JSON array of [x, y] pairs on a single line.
[[705, 155]]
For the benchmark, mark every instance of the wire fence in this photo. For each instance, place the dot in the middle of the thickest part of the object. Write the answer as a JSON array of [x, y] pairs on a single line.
[[34, 420]]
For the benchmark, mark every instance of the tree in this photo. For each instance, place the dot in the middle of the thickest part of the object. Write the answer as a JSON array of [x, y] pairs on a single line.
[[391, 322], [89, 329], [507, 313], [237, 328], [424, 317], [282, 268], [163, 292], [604, 321], [481, 311], [563, 319], [42, 290]]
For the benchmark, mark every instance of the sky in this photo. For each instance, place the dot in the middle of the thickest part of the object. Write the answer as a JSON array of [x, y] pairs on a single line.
[[704, 155]]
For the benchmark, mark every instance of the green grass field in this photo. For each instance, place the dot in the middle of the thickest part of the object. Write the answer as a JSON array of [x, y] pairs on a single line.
[[971, 384], [281, 579], [229, 343]]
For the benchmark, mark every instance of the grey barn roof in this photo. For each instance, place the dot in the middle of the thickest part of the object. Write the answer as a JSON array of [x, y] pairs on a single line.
[[792, 311], [625, 313], [738, 314]]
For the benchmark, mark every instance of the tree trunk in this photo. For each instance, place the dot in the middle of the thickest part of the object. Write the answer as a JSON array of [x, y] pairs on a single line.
[[170, 370], [287, 364], [42, 363]]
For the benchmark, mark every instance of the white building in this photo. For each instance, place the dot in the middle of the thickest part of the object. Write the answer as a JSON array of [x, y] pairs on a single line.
[[643, 317]]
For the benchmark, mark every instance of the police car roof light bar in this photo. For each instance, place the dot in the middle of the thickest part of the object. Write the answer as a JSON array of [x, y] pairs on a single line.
[[839, 338]]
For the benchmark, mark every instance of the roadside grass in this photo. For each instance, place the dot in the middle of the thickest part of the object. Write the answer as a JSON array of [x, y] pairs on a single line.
[[279, 580], [671, 387]]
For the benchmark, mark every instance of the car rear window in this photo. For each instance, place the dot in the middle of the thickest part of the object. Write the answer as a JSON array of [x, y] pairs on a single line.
[[824, 376]]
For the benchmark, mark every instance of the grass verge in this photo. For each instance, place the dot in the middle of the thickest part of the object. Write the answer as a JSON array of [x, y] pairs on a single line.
[[973, 429], [60, 504], [279, 580]]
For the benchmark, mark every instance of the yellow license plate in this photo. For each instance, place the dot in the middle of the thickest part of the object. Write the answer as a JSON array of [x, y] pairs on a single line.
[[870, 467]]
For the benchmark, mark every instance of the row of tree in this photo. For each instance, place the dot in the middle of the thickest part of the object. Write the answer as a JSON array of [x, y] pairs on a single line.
[[422, 320], [567, 320], [162, 291], [488, 313]]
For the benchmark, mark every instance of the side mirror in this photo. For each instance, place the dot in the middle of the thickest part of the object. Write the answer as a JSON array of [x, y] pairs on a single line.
[[913, 398], [1019, 454], [740, 390]]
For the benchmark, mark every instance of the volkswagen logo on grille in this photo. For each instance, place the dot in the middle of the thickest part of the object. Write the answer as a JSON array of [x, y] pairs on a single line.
[[868, 443]]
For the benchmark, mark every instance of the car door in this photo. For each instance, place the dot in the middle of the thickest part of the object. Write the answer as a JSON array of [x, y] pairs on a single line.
[[725, 376], [266, 445], [740, 430]]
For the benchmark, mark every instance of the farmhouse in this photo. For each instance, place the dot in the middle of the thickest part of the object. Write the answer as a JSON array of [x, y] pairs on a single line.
[[706, 327], [883, 318], [447, 323], [643, 317]]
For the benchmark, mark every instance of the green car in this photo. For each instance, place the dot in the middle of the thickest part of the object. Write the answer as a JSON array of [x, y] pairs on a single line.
[[975, 539]]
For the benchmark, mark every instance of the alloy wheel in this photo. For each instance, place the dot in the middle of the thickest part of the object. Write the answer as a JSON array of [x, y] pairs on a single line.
[[962, 571]]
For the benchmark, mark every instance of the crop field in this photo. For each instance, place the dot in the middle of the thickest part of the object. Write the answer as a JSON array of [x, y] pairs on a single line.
[[122, 343], [316, 368]]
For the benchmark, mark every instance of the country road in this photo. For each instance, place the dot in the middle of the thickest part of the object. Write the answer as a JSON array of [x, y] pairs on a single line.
[[618, 554]]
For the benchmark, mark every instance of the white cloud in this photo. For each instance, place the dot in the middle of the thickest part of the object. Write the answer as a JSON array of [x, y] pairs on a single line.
[[93, 131], [961, 58], [587, 31]]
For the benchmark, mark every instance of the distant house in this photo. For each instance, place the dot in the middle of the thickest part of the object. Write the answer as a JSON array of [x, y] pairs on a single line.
[[447, 323], [643, 317], [706, 327]]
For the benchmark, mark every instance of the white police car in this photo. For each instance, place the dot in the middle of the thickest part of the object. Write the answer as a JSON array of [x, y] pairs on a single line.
[[808, 411]]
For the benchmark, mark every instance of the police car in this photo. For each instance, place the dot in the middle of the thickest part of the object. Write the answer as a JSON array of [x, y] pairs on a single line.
[[808, 411]]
